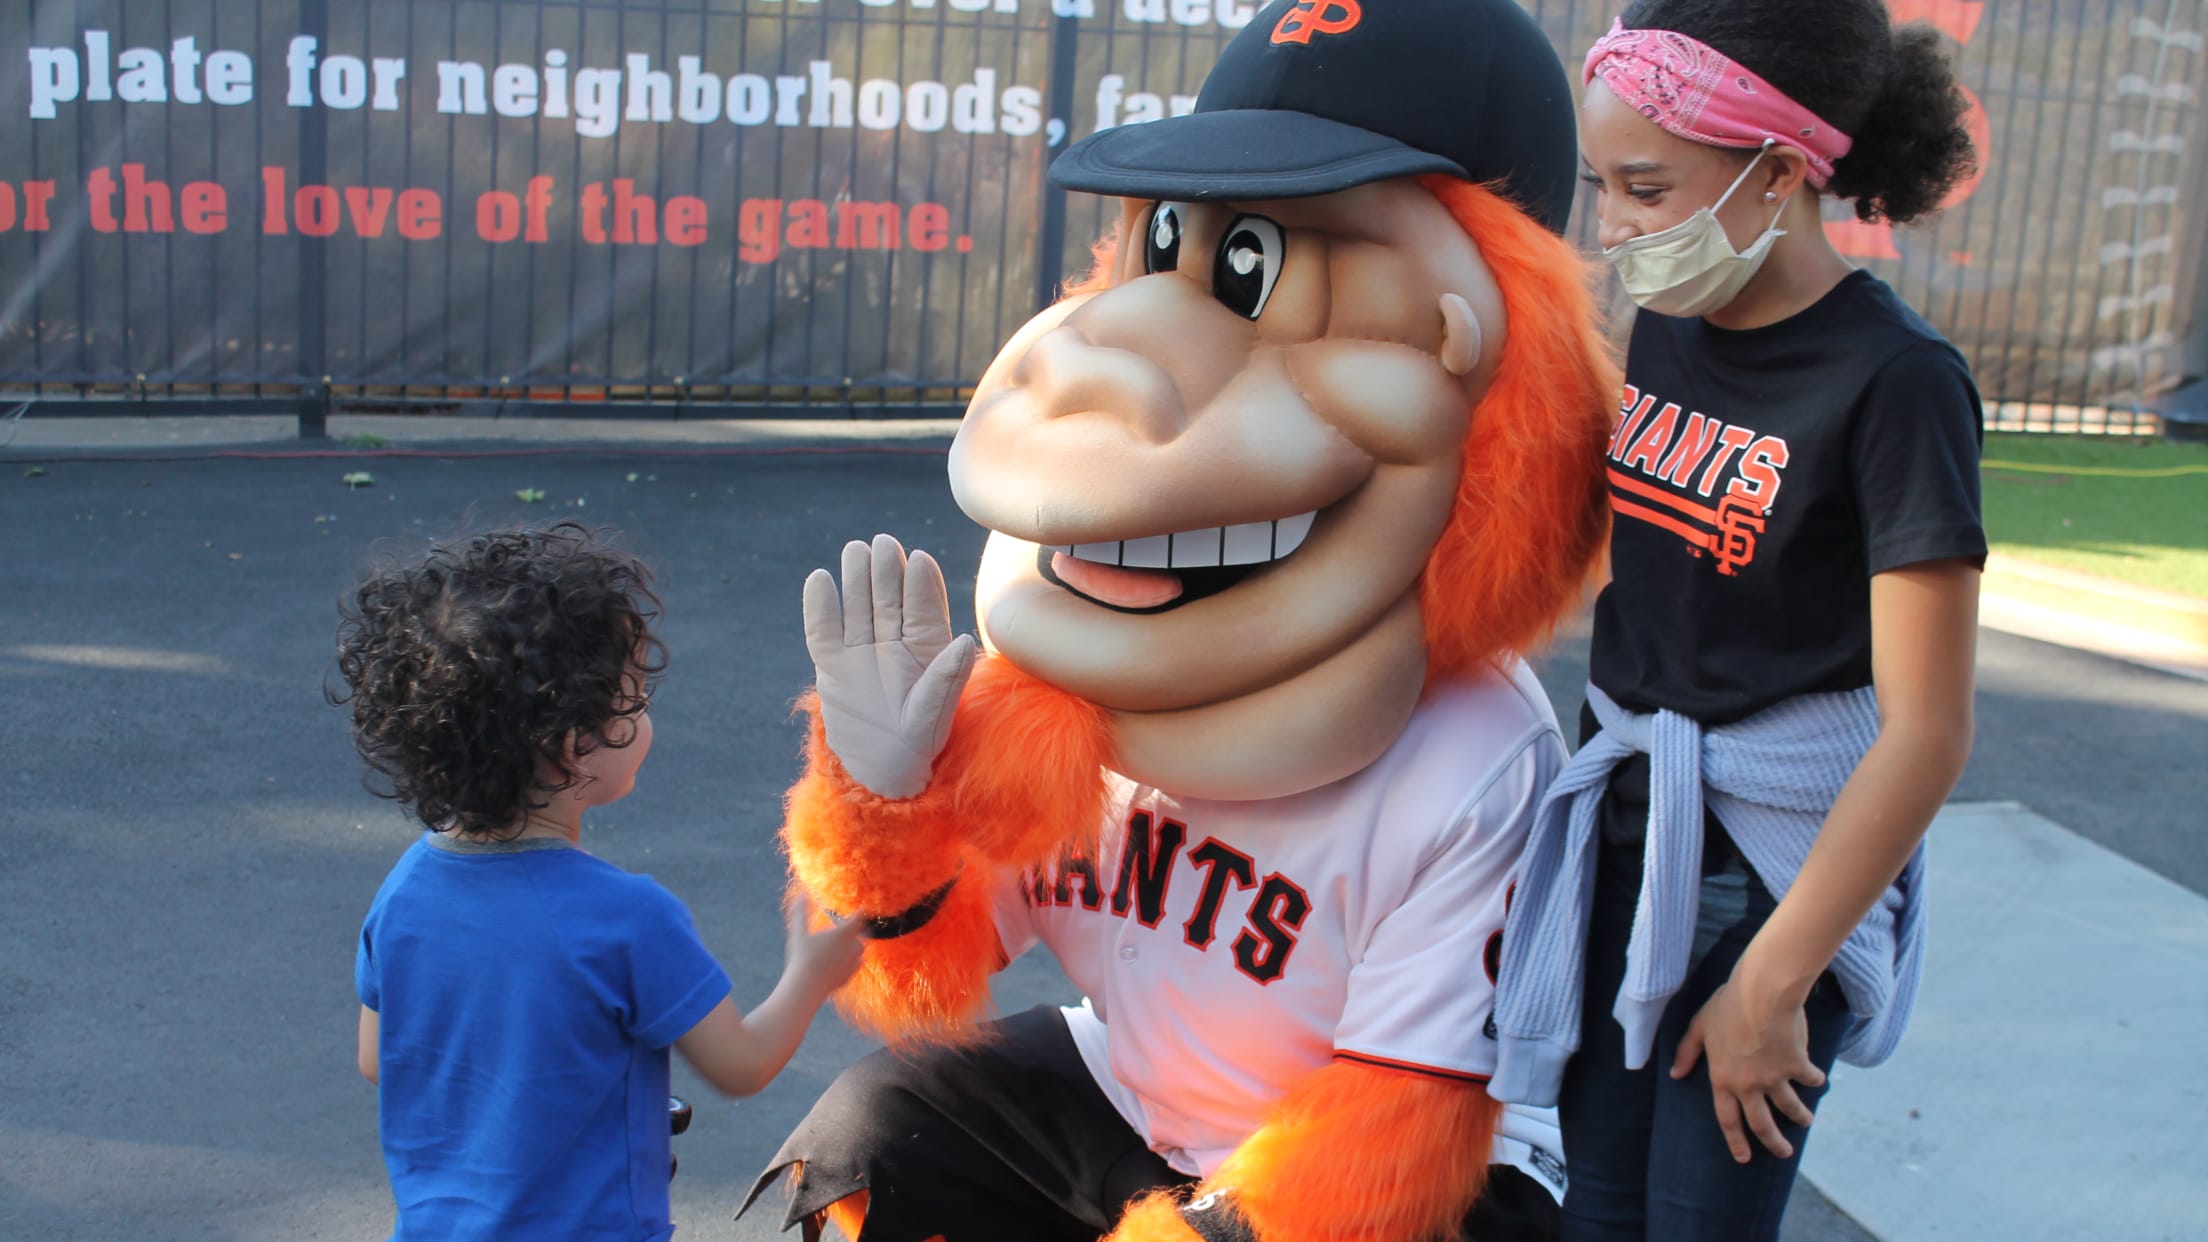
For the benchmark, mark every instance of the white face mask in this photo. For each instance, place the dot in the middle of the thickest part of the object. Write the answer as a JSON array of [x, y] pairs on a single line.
[[1691, 268]]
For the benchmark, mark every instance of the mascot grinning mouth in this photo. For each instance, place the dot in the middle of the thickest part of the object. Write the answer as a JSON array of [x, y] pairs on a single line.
[[1162, 572]]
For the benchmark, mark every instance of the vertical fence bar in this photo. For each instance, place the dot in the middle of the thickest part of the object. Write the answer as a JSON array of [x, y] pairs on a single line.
[[689, 379], [1050, 255], [406, 266], [314, 151], [2183, 408], [1004, 226], [1990, 184], [259, 364], [2105, 357], [2150, 318]]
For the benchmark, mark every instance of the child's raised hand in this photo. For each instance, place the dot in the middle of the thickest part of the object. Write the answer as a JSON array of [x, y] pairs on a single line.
[[821, 959]]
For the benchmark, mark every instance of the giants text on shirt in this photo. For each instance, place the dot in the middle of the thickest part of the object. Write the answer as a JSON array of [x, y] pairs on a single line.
[[1664, 471], [1147, 866]]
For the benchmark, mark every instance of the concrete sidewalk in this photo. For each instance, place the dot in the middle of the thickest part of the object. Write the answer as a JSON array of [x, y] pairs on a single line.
[[2052, 1068]]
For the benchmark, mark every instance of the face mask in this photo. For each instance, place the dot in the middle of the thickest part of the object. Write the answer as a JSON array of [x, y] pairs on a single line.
[[1691, 268]]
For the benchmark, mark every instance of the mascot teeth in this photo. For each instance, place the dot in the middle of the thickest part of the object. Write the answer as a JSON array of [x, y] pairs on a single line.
[[1250, 543]]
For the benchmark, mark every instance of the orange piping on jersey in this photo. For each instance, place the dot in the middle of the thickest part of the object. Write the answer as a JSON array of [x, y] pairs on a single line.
[[1409, 1067], [1353, 1153]]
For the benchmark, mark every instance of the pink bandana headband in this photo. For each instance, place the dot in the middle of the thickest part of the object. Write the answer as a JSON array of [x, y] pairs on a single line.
[[1697, 92]]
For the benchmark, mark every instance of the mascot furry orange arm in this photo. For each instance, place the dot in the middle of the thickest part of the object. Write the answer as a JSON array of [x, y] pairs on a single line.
[[918, 867], [1274, 499]]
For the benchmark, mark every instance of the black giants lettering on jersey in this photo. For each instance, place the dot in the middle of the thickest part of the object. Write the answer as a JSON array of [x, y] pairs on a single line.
[[1665, 467], [1148, 861]]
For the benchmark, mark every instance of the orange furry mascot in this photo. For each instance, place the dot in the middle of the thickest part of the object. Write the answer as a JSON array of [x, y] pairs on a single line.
[[1274, 499]]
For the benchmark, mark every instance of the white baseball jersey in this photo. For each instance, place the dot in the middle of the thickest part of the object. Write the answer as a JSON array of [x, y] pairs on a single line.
[[1228, 948]]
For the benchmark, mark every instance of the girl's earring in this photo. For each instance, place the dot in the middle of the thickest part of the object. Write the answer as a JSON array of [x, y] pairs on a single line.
[[1770, 196]]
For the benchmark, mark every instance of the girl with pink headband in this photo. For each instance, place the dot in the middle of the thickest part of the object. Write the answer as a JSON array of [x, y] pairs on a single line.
[[1723, 892]]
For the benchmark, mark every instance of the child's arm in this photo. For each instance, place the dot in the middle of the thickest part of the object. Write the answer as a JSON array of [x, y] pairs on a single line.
[[1924, 628], [740, 1054], [371, 1036]]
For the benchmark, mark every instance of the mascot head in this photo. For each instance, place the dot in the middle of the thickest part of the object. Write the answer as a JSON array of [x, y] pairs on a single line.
[[1324, 427]]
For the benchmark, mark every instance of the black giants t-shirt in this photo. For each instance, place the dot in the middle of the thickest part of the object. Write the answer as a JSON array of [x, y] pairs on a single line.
[[1759, 478]]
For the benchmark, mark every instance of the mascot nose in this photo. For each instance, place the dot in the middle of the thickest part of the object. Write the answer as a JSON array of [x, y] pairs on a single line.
[[1066, 374]]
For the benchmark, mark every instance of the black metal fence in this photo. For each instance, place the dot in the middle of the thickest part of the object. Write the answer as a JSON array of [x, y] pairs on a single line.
[[660, 205]]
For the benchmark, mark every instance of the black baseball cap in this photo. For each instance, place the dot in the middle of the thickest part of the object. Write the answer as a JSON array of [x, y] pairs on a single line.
[[1315, 96]]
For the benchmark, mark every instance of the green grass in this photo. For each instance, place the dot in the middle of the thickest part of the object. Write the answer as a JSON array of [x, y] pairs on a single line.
[[2131, 509]]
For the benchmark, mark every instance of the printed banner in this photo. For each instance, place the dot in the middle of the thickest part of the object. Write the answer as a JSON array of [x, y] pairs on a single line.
[[839, 194]]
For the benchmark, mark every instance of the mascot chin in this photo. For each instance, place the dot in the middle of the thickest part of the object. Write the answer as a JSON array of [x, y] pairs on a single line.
[[1274, 497]]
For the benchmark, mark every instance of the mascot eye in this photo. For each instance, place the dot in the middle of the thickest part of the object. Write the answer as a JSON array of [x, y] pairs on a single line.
[[1161, 251], [1248, 264]]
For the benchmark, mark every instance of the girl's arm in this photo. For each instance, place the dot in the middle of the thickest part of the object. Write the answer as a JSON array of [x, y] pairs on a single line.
[[739, 1053], [1924, 631], [371, 1036]]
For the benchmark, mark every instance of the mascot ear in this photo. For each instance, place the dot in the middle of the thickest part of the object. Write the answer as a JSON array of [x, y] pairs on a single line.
[[1460, 336]]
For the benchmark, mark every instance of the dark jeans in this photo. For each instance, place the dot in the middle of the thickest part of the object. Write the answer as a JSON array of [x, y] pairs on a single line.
[[1645, 1155]]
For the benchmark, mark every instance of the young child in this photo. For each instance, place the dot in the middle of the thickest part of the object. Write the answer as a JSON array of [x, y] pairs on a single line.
[[518, 996]]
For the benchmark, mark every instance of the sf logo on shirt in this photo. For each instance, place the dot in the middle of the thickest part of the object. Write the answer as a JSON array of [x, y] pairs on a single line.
[[1147, 861]]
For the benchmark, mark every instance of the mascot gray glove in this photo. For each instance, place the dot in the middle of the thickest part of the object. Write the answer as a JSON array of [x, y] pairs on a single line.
[[887, 669]]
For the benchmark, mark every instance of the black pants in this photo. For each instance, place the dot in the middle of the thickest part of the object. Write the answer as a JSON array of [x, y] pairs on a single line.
[[1009, 1140]]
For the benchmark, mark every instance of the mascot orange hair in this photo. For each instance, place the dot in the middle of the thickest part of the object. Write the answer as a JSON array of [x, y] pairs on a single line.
[[1274, 499]]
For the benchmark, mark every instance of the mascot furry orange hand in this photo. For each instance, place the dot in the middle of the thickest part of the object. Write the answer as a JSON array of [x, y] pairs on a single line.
[[1274, 498]]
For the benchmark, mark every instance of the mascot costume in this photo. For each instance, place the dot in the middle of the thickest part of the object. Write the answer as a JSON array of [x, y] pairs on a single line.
[[1274, 497]]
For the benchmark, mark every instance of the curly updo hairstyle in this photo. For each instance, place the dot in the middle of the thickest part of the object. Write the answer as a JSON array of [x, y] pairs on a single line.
[[469, 669], [1891, 89]]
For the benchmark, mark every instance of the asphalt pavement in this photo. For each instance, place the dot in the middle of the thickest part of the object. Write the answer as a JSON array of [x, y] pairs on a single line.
[[186, 848]]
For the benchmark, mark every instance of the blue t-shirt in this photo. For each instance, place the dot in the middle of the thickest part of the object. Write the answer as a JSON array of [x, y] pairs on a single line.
[[527, 994]]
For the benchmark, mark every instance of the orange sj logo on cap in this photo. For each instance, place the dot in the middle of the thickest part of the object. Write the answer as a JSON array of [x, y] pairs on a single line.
[[1315, 17]]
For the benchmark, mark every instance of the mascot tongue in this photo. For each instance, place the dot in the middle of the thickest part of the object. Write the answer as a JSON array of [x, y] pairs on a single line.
[[1117, 585]]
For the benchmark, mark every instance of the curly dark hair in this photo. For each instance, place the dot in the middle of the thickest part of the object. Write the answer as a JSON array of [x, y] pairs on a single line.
[[468, 670], [1891, 89]]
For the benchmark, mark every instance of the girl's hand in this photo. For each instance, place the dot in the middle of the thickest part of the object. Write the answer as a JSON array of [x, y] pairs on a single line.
[[1757, 1053], [820, 960]]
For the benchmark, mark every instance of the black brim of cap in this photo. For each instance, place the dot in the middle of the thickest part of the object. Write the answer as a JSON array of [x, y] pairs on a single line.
[[1237, 155]]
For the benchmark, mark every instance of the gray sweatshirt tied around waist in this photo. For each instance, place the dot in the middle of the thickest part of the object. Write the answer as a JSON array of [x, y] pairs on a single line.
[[1770, 778]]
